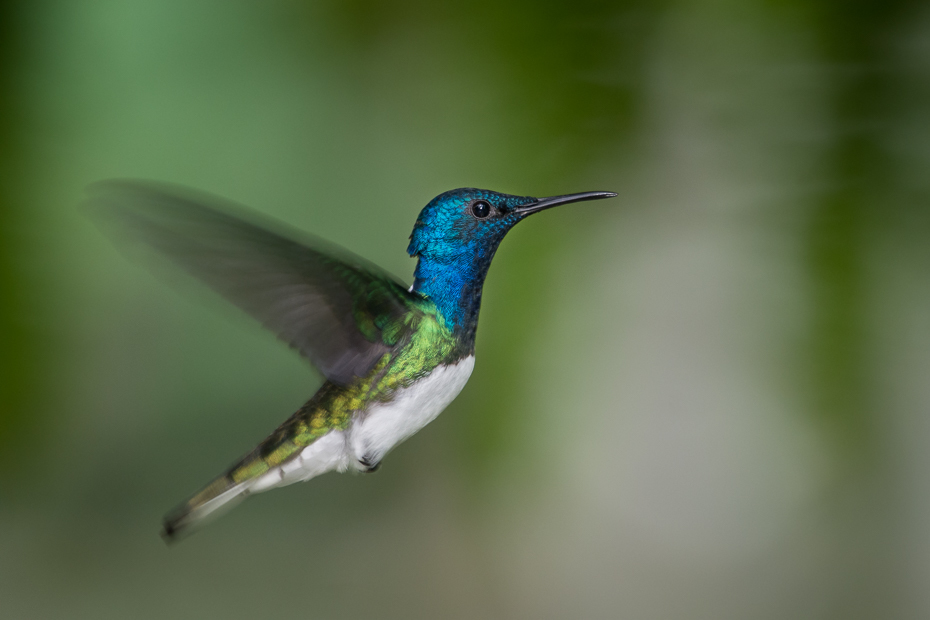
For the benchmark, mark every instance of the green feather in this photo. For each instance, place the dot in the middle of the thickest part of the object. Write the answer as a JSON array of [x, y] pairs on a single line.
[[428, 343]]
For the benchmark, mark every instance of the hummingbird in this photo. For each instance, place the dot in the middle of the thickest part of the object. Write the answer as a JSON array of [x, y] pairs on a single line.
[[393, 357]]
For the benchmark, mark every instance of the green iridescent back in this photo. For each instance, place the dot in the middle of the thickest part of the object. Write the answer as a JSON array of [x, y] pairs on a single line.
[[427, 343]]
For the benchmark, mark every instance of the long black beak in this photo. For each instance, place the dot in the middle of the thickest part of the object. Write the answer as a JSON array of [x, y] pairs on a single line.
[[554, 201]]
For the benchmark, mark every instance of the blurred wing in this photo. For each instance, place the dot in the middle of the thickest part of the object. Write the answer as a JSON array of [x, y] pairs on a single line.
[[339, 311]]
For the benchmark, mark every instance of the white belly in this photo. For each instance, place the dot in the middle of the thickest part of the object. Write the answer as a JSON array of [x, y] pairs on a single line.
[[375, 431], [384, 426]]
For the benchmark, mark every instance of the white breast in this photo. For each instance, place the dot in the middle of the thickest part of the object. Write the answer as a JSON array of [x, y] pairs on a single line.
[[375, 431], [384, 426]]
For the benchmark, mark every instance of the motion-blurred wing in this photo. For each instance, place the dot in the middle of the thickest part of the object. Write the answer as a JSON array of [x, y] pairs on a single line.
[[339, 311]]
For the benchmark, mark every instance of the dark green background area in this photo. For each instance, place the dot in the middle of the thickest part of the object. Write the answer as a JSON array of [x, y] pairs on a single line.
[[707, 398]]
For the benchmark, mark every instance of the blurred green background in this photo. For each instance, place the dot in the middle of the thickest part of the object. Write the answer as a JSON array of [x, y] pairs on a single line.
[[707, 398]]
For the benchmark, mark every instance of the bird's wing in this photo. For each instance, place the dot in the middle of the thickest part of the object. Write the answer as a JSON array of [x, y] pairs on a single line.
[[336, 309]]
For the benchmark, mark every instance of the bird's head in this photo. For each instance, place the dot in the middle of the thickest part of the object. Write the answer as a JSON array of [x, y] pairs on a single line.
[[472, 222], [455, 238]]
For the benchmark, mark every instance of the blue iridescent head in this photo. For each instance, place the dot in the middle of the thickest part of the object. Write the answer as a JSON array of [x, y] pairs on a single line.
[[455, 238]]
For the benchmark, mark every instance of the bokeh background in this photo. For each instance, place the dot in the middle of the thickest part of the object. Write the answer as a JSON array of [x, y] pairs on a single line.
[[707, 398]]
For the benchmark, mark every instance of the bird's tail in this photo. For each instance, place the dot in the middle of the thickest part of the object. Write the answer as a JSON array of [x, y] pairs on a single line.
[[246, 476], [213, 500], [274, 462]]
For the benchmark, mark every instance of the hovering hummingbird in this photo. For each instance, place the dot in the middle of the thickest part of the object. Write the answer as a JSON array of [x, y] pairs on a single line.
[[393, 357]]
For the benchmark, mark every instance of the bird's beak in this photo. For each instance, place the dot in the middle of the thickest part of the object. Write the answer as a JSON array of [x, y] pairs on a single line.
[[554, 201]]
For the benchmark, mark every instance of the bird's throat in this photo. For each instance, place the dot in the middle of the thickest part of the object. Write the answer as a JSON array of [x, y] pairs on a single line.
[[454, 283]]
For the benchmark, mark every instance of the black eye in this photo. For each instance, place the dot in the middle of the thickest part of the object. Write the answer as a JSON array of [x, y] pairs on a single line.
[[481, 208]]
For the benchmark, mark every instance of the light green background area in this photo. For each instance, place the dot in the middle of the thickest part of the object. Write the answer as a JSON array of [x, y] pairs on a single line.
[[706, 398]]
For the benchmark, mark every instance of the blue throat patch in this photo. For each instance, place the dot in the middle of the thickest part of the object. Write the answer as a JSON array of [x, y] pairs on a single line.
[[455, 249]]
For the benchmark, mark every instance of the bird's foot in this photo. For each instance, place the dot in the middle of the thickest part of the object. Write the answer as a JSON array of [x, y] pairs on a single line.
[[369, 465]]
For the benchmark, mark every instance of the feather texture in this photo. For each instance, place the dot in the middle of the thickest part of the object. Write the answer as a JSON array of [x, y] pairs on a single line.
[[339, 311]]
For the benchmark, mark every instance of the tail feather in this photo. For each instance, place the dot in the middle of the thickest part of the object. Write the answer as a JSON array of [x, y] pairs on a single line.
[[220, 495], [253, 474], [215, 499], [291, 453]]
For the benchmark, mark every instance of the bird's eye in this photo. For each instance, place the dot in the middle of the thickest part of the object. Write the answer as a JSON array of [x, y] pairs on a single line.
[[481, 209]]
